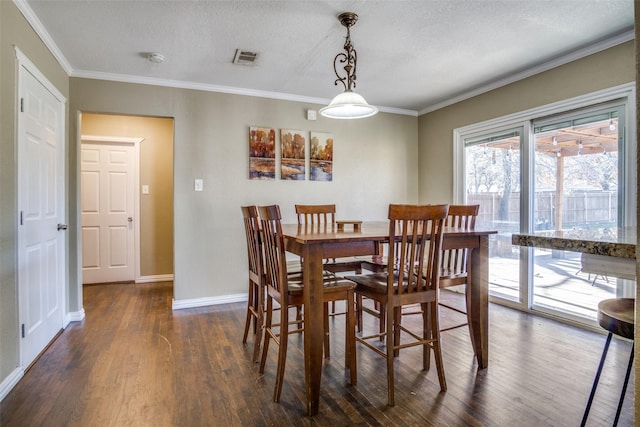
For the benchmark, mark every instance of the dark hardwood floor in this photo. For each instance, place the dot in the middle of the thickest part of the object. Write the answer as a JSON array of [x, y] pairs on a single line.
[[135, 362]]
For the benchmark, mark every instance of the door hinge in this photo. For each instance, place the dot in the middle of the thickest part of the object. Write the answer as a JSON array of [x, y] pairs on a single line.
[[22, 105], [23, 334], [21, 218]]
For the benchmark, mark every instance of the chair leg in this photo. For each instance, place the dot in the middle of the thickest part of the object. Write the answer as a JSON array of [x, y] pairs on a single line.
[[624, 387], [397, 322], [325, 319], [358, 299], [595, 381], [266, 333], [282, 352], [256, 306], [427, 334], [467, 297], [350, 336], [259, 332], [382, 309], [437, 349], [390, 351], [247, 322]]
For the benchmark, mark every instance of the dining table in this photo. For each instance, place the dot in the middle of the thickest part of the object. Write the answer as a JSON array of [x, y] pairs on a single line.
[[316, 243]]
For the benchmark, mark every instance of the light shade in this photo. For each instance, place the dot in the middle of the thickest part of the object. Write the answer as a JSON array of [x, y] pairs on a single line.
[[348, 105]]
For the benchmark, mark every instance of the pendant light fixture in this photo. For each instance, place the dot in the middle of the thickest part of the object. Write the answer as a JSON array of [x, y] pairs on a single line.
[[348, 104]]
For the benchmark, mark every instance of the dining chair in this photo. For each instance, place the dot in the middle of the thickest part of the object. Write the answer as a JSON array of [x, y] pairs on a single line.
[[256, 292], [288, 293], [455, 264], [455, 267], [323, 218], [412, 276], [255, 304], [615, 315]]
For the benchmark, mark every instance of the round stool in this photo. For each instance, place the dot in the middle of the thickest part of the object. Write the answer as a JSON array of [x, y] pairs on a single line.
[[616, 315]]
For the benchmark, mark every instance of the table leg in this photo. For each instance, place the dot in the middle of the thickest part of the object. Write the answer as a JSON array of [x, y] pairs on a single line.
[[479, 307], [313, 324]]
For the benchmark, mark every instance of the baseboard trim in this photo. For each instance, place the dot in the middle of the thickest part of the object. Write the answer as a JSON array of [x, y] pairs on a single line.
[[155, 278], [75, 316], [10, 382], [201, 302]]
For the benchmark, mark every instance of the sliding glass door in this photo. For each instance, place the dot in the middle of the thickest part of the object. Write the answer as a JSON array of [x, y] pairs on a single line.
[[577, 185], [562, 168]]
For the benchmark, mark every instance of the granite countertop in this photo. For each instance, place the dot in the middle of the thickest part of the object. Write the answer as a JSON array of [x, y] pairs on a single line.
[[616, 242]]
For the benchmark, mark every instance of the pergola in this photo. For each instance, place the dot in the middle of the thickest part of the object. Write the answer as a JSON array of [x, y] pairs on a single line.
[[592, 138]]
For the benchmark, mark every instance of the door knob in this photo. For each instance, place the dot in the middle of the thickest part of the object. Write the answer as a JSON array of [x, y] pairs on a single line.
[[62, 227], [130, 219]]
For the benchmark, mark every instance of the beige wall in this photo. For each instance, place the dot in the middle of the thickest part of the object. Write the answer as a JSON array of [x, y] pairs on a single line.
[[602, 70], [156, 171], [14, 31], [375, 163]]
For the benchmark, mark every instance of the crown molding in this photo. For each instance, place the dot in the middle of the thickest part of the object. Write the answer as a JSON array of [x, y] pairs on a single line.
[[33, 20], [562, 60], [180, 84]]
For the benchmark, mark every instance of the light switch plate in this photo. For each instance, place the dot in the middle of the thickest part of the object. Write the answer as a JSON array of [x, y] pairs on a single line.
[[198, 184], [145, 189]]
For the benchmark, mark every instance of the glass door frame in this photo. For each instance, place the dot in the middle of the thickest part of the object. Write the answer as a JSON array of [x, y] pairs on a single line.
[[618, 108], [624, 94], [460, 194]]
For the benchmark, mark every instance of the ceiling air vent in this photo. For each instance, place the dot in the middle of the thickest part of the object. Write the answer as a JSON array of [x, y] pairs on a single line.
[[244, 57]]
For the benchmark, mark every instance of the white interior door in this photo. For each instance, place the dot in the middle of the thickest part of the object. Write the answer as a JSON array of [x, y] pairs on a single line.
[[108, 213], [41, 189]]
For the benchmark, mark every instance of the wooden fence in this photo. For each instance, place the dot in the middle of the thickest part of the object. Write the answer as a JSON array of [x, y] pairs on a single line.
[[581, 209]]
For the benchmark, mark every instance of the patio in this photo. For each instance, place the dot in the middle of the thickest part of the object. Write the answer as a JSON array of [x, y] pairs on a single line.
[[559, 283]]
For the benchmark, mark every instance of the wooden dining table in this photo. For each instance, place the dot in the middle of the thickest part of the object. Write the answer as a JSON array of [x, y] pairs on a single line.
[[317, 243]]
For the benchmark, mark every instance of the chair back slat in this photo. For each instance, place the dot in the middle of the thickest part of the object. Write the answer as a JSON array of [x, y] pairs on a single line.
[[413, 259], [316, 215], [455, 262], [274, 249], [254, 243]]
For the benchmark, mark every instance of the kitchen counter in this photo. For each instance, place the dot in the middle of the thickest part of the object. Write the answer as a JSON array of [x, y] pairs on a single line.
[[614, 242]]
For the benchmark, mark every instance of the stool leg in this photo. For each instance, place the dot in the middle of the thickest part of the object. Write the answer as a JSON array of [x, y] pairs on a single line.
[[595, 381], [624, 388]]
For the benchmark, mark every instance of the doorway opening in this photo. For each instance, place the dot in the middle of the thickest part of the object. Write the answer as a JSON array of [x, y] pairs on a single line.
[[126, 198]]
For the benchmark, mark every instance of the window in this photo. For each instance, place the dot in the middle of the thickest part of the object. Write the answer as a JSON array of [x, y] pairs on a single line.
[[568, 165]]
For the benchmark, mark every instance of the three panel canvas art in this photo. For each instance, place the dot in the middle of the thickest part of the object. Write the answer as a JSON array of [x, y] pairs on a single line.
[[297, 160]]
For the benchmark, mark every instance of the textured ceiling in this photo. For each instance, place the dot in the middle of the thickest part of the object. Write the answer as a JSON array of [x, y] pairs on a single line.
[[412, 55]]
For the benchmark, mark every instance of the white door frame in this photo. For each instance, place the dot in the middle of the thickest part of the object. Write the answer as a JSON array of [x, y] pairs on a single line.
[[136, 184], [23, 63]]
